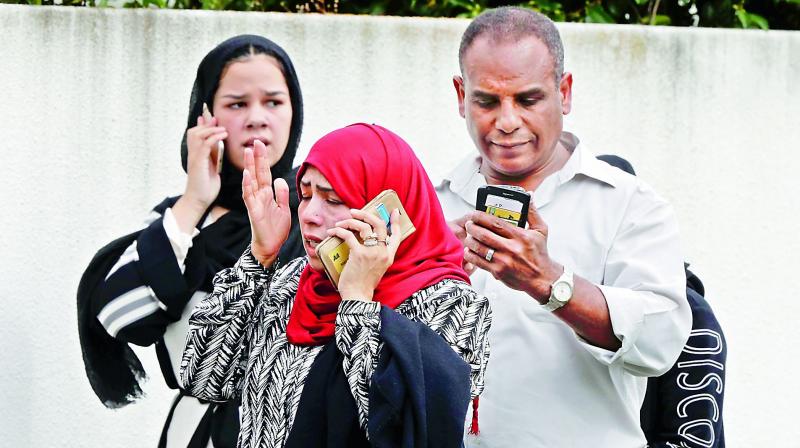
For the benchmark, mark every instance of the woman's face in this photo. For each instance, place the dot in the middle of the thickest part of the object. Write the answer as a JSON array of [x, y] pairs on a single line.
[[252, 102], [320, 209]]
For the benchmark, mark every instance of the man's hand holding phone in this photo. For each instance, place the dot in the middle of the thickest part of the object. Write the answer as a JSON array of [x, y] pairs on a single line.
[[514, 255], [458, 227], [507, 202]]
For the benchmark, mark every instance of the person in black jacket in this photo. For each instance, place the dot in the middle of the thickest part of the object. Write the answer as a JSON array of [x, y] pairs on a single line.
[[683, 407], [141, 288]]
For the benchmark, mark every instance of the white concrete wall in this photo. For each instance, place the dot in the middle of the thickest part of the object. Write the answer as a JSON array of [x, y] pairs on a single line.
[[92, 108]]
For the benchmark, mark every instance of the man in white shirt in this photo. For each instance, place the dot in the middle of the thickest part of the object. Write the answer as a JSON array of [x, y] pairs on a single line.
[[590, 298]]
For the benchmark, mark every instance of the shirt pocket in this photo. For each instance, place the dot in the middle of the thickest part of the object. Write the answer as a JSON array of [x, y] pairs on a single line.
[[585, 255]]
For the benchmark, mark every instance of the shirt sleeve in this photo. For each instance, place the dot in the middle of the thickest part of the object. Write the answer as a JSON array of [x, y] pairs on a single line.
[[179, 241], [220, 329], [147, 288], [463, 318], [644, 287], [357, 333]]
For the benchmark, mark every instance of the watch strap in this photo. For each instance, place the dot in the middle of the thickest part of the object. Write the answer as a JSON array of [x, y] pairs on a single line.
[[553, 304]]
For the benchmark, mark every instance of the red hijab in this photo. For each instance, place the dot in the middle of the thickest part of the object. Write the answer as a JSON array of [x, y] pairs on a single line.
[[360, 161]]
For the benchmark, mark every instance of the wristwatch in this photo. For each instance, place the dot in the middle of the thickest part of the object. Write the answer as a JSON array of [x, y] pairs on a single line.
[[560, 291]]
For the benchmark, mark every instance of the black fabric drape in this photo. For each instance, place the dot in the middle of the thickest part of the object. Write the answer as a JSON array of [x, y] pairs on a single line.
[[418, 395], [113, 370], [326, 415]]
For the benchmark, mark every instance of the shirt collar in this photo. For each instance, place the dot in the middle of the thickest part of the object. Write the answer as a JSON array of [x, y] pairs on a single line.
[[466, 178], [584, 162]]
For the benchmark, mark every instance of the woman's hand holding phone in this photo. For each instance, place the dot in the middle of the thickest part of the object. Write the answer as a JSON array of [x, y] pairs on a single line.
[[366, 264], [203, 180], [270, 217]]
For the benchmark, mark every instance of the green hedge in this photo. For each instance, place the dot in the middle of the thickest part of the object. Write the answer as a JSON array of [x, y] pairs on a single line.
[[759, 14]]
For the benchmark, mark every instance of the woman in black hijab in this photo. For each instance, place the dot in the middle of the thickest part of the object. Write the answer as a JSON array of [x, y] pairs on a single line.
[[141, 288]]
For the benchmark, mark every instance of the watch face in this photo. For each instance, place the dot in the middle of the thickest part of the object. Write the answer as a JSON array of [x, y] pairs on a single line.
[[562, 291]]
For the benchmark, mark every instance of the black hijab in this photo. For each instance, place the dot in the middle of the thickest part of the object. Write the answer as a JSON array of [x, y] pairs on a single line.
[[205, 86], [113, 369], [230, 194]]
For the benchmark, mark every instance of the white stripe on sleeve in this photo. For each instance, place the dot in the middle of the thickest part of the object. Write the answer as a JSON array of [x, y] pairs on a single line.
[[130, 255], [127, 308], [131, 317]]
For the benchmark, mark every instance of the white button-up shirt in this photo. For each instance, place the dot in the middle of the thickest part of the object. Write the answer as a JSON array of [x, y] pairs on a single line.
[[545, 386]]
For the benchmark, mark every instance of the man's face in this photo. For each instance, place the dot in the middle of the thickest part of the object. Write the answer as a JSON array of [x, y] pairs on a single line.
[[512, 105]]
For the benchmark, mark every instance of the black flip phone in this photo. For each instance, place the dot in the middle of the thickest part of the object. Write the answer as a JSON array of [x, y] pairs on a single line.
[[507, 202]]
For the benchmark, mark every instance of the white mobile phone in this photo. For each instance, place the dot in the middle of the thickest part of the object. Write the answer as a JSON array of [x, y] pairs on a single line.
[[220, 145]]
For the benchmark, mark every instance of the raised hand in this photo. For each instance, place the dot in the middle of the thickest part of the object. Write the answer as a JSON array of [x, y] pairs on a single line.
[[367, 263], [267, 207]]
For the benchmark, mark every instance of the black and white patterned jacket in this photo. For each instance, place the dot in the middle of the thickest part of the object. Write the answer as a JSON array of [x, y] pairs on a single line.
[[237, 347]]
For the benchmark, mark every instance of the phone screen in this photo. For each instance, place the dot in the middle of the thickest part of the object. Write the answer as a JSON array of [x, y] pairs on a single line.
[[504, 208]]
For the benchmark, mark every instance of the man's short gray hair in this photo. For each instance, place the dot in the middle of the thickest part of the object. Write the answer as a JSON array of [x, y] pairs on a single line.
[[510, 23]]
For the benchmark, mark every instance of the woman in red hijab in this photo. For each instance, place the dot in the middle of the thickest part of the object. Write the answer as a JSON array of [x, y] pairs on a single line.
[[391, 358]]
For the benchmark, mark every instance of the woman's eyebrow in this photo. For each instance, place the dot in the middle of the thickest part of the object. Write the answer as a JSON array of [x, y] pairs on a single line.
[[274, 92], [324, 189]]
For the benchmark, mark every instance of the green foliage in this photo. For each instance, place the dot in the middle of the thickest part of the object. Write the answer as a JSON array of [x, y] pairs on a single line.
[[750, 20], [596, 13], [47, 2], [747, 14], [143, 3]]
